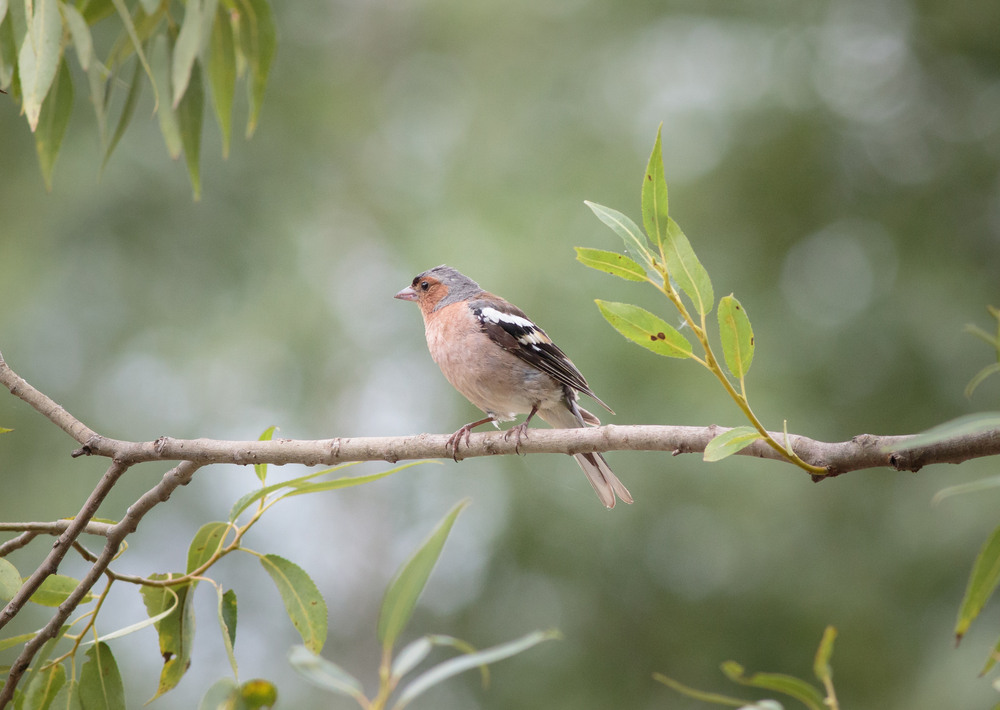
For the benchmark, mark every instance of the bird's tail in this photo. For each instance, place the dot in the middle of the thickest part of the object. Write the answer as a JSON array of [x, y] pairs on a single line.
[[599, 473]]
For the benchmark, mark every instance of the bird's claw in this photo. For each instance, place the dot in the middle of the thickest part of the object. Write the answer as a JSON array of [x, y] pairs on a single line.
[[455, 439], [521, 430]]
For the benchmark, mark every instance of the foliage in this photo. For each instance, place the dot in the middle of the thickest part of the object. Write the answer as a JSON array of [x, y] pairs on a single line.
[[177, 47]]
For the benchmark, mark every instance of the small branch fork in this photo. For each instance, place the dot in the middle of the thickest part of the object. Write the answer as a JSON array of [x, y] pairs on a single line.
[[861, 452]]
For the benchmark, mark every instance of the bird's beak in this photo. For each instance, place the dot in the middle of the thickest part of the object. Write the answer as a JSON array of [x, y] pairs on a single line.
[[407, 294]]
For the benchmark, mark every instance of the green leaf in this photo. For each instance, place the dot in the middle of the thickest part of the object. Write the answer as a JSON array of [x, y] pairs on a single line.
[[176, 630], [654, 196], [10, 580], [186, 50], [261, 468], [68, 697], [454, 666], [405, 588], [982, 583], [79, 31], [610, 262], [128, 110], [303, 602], [730, 442], [259, 693], [821, 664], [991, 660], [38, 59], [686, 270], [16, 640], [227, 613], [206, 542], [982, 484], [100, 682], [248, 499], [190, 113], [224, 694], [977, 380], [629, 233], [802, 691], [411, 655], [324, 674], [8, 52], [258, 41], [698, 694], [44, 686], [52, 122], [347, 481], [736, 335], [3, 9], [222, 74], [159, 58], [978, 423], [133, 36], [642, 327], [55, 589]]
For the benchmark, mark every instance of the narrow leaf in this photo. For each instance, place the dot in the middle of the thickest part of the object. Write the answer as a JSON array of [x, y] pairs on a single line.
[[405, 588], [629, 233], [186, 50], [3, 9], [79, 31], [190, 113], [610, 262], [303, 602], [969, 424], [686, 270], [227, 614], [730, 442], [965, 488], [126, 19], [38, 59], [258, 38], [55, 589], [982, 583], [10, 580], [44, 686], [128, 110], [176, 630], [323, 673], [248, 499], [12, 641], [642, 327], [802, 691], [348, 481], [68, 697], [654, 196], [206, 542], [139, 625], [698, 694], [411, 656], [100, 682], [821, 665], [457, 665], [8, 52], [261, 468], [991, 660], [736, 335], [224, 694], [159, 58], [977, 380], [222, 74], [52, 122]]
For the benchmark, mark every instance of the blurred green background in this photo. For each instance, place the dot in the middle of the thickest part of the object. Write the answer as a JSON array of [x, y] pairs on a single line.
[[835, 164]]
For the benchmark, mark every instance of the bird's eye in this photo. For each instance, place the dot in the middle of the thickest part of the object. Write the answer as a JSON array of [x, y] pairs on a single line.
[[424, 285]]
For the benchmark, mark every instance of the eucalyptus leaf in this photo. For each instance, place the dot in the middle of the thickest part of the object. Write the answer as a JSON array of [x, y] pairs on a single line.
[[175, 629], [190, 115], [258, 38], [56, 589], [38, 59], [79, 31], [52, 122], [982, 583], [221, 69], [654, 196], [100, 681], [303, 602], [186, 50]]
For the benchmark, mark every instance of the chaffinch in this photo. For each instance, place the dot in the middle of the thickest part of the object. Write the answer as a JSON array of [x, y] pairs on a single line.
[[503, 363]]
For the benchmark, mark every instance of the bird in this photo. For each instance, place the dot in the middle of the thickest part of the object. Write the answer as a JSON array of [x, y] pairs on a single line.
[[505, 365]]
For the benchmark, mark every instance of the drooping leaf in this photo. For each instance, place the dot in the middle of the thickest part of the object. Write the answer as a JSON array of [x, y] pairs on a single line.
[[642, 327], [137, 41], [303, 602], [68, 697], [227, 613], [128, 110], [190, 113], [206, 542], [100, 682], [454, 666], [730, 442], [41, 691], [610, 262], [52, 122], [186, 50], [8, 54], [10, 580], [405, 588], [176, 630], [685, 268], [794, 687], [224, 694], [222, 74], [654, 196], [982, 583], [410, 656], [736, 335], [629, 232], [55, 589], [258, 40], [159, 58], [323, 673], [79, 31], [38, 60]]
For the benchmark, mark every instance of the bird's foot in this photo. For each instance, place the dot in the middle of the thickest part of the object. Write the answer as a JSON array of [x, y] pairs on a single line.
[[521, 430]]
